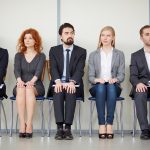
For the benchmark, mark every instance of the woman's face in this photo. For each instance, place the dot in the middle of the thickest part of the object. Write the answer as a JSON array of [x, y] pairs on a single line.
[[106, 38], [29, 41]]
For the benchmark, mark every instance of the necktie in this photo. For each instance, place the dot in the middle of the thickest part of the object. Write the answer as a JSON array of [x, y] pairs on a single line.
[[67, 65]]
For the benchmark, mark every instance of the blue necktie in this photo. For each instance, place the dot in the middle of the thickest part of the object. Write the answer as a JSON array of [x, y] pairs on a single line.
[[67, 65]]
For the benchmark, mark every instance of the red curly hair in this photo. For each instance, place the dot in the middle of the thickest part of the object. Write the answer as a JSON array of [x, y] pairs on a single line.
[[35, 35]]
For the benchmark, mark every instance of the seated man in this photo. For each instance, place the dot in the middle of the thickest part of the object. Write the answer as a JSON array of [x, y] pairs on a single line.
[[67, 63], [139, 78], [3, 70]]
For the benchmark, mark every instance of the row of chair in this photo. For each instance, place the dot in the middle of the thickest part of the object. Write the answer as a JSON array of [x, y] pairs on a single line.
[[77, 122], [77, 119]]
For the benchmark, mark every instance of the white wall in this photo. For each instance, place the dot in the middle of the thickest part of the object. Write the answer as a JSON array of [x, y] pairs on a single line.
[[88, 17]]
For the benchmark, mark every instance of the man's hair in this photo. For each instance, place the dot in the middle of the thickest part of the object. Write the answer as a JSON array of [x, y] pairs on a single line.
[[142, 29], [65, 25]]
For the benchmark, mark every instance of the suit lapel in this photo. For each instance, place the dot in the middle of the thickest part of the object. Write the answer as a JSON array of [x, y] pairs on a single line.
[[73, 55], [114, 55], [144, 60], [61, 57], [98, 61]]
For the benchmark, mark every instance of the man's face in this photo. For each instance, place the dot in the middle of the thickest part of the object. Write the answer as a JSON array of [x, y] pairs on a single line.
[[146, 37], [67, 36]]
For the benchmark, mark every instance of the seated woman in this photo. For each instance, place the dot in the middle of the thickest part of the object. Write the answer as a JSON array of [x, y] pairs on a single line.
[[28, 67], [3, 70], [106, 72]]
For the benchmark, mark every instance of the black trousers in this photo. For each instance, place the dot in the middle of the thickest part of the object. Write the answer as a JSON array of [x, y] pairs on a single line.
[[141, 108], [64, 107]]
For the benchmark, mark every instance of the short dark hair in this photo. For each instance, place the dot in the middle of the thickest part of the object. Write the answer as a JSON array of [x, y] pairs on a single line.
[[144, 27], [65, 25]]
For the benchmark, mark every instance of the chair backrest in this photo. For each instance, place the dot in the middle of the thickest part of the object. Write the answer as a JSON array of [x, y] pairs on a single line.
[[48, 69], [43, 72]]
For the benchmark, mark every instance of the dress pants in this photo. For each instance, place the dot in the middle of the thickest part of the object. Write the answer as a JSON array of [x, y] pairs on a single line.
[[64, 107], [141, 108]]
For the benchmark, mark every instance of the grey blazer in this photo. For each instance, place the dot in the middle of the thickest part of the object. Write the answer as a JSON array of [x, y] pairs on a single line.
[[117, 65]]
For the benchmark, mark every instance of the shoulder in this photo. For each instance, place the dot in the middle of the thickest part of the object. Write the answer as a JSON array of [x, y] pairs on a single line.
[[42, 55], [120, 52], [93, 54], [3, 51], [80, 48], [55, 48], [138, 53], [18, 55]]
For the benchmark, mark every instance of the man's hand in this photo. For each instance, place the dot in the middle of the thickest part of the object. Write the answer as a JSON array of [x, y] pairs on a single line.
[[58, 86], [140, 87], [69, 87]]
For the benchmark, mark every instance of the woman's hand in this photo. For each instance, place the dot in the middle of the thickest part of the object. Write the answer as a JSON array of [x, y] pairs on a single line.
[[29, 84], [102, 81], [20, 83], [112, 81]]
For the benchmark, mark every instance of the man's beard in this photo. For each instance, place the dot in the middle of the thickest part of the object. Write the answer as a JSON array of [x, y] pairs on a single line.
[[69, 41]]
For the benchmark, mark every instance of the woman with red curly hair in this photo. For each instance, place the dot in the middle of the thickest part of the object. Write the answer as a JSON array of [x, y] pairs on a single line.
[[28, 66]]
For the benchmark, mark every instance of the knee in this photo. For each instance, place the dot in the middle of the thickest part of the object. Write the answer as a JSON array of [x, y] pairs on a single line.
[[29, 91], [100, 88], [111, 88], [141, 94], [20, 91]]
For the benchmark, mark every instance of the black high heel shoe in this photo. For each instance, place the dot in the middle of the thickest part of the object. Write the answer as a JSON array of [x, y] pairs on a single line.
[[110, 135], [102, 135], [29, 135], [22, 135]]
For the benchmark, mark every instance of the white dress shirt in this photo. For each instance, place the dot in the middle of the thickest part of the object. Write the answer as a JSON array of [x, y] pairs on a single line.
[[106, 60]]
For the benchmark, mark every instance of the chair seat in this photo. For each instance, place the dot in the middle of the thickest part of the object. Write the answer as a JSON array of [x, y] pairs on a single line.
[[118, 98], [38, 98], [51, 98], [148, 99], [1, 98]]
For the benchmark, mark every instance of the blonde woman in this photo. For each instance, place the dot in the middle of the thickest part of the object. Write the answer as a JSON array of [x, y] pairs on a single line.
[[106, 72]]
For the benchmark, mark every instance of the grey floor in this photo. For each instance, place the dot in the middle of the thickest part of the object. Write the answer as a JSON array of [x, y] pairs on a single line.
[[79, 143]]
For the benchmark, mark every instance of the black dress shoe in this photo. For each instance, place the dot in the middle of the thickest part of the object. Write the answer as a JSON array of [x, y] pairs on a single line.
[[60, 134], [145, 135], [29, 135], [68, 135], [22, 135]]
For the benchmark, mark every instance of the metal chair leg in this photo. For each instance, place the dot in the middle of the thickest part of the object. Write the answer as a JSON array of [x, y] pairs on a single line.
[[11, 126], [117, 118], [16, 122], [76, 117], [92, 105], [0, 118], [79, 118], [121, 119], [42, 118], [49, 118], [149, 111], [134, 119], [5, 118]]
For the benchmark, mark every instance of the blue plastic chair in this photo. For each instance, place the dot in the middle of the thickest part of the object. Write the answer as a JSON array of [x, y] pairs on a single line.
[[2, 106], [38, 99], [92, 105]]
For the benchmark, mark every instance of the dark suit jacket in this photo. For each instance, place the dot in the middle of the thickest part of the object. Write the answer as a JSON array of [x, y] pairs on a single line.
[[139, 72], [3, 64], [76, 67]]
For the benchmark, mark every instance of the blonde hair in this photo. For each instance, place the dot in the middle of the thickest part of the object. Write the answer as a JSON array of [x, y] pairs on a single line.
[[108, 28]]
